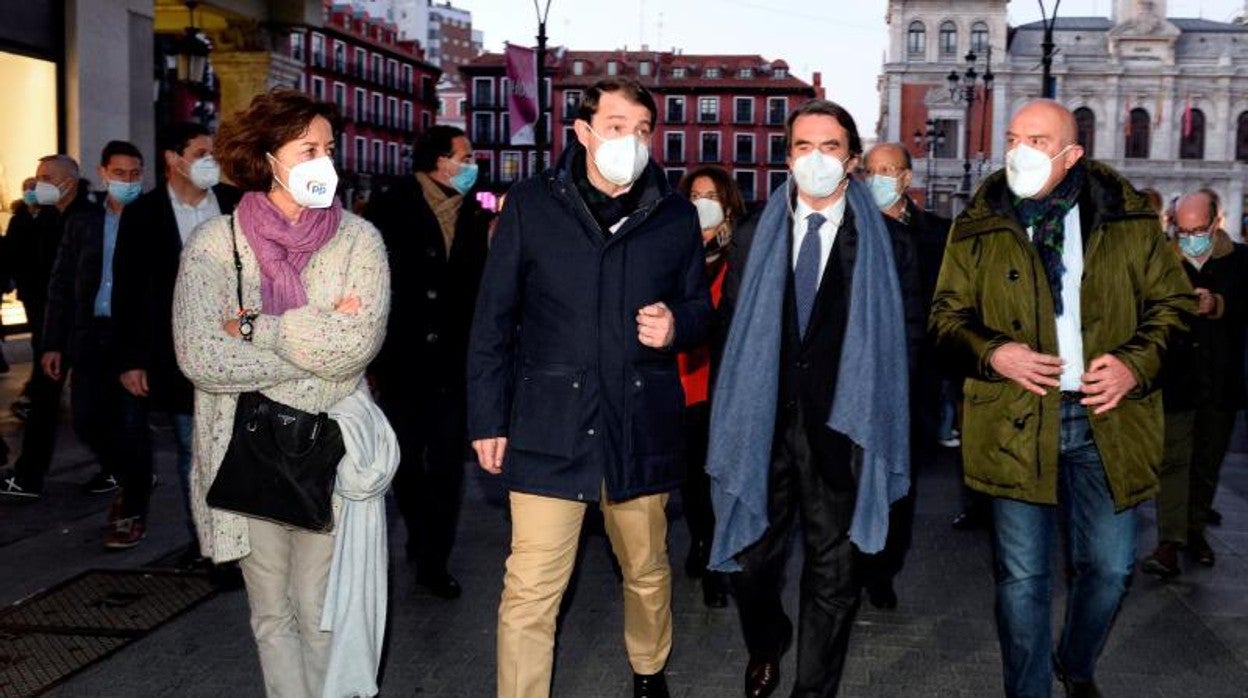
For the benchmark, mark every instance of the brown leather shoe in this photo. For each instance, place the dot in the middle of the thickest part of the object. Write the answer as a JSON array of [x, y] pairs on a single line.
[[762, 677]]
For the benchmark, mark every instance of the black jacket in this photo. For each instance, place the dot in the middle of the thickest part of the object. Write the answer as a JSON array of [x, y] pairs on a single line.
[[432, 294], [554, 363], [1205, 366], [145, 268], [30, 247]]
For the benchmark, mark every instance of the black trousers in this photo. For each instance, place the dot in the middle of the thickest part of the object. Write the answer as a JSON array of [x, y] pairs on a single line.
[[111, 421], [428, 486], [39, 432], [829, 593], [695, 493]]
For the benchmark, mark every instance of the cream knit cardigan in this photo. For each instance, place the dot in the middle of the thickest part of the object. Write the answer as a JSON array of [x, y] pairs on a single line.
[[309, 358]]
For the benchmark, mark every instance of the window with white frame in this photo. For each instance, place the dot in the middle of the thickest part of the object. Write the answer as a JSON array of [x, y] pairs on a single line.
[[775, 149], [708, 110], [378, 163], [360, 107], [509, 166], [407, 115], [747, 183], [318, 88], [675, 110], [743, 110], [361, 154], [777, 110], [392, 112], [340, 97], [378, 115], [483, 128], [296, 46], [710, 147], [744, 149], [776, 179], [318, 50], [674, 147], [392, 158], [482, 92]]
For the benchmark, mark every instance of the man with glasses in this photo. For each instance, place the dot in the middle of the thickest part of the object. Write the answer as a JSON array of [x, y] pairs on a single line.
[[1202, 383], [594, 283]]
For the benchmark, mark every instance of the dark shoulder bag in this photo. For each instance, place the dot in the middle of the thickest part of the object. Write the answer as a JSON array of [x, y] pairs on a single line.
[[281, 462]]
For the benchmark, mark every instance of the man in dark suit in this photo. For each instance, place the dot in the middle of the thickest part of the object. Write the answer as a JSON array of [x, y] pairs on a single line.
[[888, 171], [31, 244], [79, 335], [799, 259], [145, 265], [436, 235]]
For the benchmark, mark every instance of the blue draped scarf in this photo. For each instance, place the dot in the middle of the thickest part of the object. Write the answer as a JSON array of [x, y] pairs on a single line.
[[871, 403]]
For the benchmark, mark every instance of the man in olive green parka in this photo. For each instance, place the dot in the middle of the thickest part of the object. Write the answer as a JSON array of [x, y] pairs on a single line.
[[1056, 300]]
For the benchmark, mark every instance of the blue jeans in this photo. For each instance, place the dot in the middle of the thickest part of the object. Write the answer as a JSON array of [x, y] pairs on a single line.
[[1100, 556], [183, 431]]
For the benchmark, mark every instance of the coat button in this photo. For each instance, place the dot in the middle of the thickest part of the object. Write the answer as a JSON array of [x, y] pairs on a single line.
[[576, 384], [431, 337], [1016, 325], [431, 294], [590, 431], [801, 365], [637, 382], [1013, 275], [431, 251], [1019, 423]]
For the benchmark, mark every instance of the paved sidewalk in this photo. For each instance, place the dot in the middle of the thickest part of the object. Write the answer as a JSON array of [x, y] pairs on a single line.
[[1187, 638]]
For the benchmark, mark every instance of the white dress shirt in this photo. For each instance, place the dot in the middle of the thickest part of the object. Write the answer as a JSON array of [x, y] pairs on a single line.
[[1069, 323], [189, 217], [833, 214]]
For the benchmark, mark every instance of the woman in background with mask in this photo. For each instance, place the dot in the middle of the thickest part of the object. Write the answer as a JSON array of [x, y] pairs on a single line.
[[718, 199], [315, 288]]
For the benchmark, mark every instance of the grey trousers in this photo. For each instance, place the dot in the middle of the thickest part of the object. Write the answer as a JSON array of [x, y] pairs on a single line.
[[286, 574]]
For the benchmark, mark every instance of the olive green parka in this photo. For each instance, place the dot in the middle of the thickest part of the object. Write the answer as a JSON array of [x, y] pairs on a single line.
[[992, 290]]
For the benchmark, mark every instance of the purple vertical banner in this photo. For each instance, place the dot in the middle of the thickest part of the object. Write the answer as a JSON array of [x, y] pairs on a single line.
[[522, 99]]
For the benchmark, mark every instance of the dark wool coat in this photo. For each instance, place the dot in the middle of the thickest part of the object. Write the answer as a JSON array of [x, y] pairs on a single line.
[[554, 362]]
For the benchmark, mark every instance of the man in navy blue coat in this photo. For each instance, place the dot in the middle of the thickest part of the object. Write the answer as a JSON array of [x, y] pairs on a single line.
[[593, 283]]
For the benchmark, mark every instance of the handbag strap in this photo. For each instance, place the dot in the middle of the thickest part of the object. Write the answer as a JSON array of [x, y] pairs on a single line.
[[238, 262]]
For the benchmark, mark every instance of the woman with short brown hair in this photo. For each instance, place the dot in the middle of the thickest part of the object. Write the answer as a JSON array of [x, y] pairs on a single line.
[[315, 287]]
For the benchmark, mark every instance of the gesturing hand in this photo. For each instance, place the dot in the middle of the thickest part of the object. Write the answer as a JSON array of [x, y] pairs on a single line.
[[1105, 383], [1030, 369], [656, 326]]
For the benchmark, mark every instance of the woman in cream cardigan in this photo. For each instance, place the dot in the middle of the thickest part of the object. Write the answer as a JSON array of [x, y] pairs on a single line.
[[315, 286]]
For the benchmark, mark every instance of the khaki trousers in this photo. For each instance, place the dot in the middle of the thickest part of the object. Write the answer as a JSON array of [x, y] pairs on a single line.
[[286, 574], [544, 535]]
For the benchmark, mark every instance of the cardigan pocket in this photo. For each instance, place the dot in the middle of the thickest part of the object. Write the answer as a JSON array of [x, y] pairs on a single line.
[[546, 412]]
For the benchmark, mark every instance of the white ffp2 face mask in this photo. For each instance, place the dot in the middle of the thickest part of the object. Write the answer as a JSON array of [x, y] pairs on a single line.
[[710, 213], [1027, 169], [46, 193], [620, 160], [204, 173], [311, 184], [818, 174]]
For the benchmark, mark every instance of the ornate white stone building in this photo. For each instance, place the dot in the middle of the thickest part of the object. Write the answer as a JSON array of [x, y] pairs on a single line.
[[1162, 99]]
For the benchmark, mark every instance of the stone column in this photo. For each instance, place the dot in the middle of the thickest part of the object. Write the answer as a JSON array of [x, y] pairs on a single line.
[[248, 61]]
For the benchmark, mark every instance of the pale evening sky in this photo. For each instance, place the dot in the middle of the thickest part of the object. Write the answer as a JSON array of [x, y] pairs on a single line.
[[845, 39]]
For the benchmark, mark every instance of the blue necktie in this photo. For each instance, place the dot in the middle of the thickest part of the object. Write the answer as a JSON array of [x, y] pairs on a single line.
[[806, 273]]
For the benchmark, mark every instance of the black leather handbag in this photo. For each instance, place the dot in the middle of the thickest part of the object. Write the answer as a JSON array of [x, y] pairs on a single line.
[[281, 462], [280, 465]]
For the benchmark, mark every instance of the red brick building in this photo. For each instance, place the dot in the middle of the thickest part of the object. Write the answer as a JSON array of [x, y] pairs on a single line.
[[383, 87], [723, 109]]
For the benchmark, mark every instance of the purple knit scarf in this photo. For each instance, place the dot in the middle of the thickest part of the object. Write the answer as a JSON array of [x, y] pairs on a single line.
[[283, 248]]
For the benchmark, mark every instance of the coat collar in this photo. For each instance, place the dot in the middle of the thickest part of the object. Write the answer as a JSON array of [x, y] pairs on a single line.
[[1107, 197]]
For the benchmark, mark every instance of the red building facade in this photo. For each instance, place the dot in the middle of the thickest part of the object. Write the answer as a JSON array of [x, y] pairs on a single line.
[[383, 87], [727, 110]]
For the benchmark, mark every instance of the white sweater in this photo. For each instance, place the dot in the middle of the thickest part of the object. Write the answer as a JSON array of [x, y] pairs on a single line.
[[308, 358]]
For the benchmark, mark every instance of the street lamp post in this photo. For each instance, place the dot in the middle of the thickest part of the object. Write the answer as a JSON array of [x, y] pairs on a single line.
[[929, 141], [539, 135], [963, 89]]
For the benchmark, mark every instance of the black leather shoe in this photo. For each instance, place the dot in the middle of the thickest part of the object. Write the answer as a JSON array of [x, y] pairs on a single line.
[[882, 595], [440, 584], [715, 589], [762, 674], [650, 686], [762, 677]]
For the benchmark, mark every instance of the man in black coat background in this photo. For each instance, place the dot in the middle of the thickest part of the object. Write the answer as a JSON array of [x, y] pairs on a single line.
[[436, 235], [31, 245], [150, 237]]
